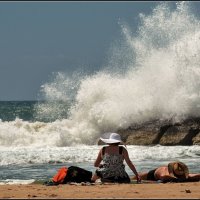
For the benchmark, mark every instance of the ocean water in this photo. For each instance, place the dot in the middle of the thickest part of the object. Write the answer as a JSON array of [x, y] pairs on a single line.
[[153, 72]]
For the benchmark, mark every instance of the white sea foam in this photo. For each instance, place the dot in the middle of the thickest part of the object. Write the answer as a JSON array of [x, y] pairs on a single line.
[[16, 181], [87, 154], [41, 155], [58, 133]]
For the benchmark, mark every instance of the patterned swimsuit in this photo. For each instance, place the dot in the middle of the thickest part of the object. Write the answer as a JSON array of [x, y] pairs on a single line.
[[113, 169]]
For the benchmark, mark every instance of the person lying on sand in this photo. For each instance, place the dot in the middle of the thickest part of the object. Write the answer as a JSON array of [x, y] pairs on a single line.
[[174, 172], [112, 169]]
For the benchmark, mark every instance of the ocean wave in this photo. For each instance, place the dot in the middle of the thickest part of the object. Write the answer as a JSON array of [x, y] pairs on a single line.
[[87, 154], [160, 80]]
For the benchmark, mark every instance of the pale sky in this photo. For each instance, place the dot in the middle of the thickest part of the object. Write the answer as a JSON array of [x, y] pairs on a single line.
[[39, 38]]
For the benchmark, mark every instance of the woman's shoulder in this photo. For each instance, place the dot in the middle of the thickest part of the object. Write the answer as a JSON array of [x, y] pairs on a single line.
[[113, 149], [103, 149], [122, 149]]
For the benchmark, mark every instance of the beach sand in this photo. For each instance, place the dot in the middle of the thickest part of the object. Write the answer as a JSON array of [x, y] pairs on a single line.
[[121, 191]]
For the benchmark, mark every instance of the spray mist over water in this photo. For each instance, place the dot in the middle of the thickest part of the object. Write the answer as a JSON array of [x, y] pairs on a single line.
[[58, 96], [160, 80]]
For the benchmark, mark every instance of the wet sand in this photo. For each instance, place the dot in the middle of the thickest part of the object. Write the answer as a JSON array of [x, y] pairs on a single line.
[[188, 190]]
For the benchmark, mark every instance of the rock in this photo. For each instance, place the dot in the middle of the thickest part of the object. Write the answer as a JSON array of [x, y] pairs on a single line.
[[173, 136], [99, 142], [196, 139], [165, 132], [141, 138], [144, 134], [187, 191]]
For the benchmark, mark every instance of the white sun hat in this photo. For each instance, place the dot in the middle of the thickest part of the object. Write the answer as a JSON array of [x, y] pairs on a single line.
[[111, 138]]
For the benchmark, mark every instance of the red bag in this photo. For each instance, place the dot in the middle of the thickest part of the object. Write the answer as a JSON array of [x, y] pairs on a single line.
[[60, 176]]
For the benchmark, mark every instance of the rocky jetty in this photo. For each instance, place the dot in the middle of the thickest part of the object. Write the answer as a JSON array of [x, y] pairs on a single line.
[[165, 133]]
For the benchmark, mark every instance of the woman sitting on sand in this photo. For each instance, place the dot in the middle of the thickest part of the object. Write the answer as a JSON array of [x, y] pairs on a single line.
[[112, 169], [173, 172]]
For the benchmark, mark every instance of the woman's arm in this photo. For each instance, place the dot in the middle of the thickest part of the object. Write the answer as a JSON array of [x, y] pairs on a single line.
[[130, 164], [98, 159]]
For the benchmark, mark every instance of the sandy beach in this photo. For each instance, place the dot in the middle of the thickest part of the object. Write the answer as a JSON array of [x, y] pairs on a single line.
[[111, 191]]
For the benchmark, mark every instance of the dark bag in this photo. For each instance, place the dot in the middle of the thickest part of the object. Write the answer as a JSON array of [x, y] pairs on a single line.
[[77, 175]]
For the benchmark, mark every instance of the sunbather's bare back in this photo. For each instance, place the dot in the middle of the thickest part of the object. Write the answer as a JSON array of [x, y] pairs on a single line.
[[162, 173]]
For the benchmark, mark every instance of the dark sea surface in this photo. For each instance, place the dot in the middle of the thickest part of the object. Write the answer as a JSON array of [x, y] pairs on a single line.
[[33, 110], [10, 110]]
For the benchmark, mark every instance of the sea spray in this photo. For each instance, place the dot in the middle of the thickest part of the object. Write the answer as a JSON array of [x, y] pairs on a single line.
[[160, 80], [57, 97]]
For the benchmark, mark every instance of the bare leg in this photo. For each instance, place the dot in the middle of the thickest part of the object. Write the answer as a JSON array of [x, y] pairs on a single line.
[[194, 177], [94, 177], [142, 175]]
